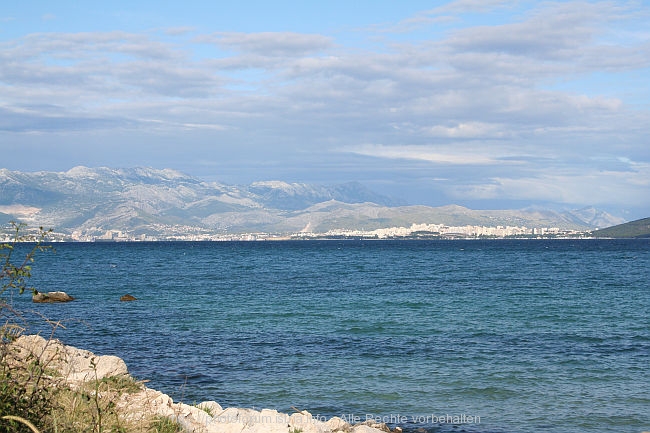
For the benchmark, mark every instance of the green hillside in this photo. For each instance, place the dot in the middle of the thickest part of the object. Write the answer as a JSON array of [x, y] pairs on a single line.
[[633, 229]]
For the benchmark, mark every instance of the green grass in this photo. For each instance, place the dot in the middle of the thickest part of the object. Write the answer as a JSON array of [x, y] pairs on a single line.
[[204, 409], [163, 424]]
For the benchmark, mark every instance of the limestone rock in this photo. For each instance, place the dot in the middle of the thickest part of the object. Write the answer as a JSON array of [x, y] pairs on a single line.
[[307, 423], [51, 297], [337, 424], [377, 426], [364, 428], [74, 365]]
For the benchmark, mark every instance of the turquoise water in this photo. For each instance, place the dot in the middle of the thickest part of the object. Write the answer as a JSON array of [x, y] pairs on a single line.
[[517, 336]]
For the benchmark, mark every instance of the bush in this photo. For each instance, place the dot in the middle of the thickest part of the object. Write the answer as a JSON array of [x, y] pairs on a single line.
[[15, 275], [25, 392], [24, 389]]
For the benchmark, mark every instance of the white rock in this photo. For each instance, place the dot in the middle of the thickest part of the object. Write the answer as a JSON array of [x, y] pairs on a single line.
[[306, 422], [75, 365], [362, 428], [338, 424]]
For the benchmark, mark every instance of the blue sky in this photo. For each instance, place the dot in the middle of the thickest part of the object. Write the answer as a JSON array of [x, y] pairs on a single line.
[[485, 103]]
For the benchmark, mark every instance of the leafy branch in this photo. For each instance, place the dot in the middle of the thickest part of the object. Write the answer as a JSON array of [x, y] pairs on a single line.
[[15, 275]]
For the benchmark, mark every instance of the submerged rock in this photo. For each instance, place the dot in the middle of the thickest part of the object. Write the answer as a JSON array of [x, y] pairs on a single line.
[[51, 297]]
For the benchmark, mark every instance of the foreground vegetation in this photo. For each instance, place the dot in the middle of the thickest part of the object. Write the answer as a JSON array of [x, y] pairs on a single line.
[[34, 396]]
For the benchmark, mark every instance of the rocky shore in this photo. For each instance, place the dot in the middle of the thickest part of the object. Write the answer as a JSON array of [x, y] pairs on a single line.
[[77, 366]]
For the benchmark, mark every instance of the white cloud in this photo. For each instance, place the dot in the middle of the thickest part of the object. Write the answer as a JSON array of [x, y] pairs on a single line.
[[180, 30], [468, 130], [581, 187], [431, 154], [280, 44], [448, 12]]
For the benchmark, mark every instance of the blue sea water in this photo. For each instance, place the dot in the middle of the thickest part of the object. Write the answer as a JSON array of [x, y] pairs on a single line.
[[512, 335]]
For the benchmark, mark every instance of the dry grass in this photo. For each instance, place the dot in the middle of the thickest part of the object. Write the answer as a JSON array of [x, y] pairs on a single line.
[[93, 407], [37, 399]]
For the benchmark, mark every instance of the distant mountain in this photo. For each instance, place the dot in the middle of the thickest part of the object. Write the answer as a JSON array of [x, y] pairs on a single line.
[[89, 202], [633, 229], [296, 196], [594, 217], [589, 216]]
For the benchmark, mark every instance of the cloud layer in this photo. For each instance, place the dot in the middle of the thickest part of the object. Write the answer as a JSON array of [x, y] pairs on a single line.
[[478, 103]]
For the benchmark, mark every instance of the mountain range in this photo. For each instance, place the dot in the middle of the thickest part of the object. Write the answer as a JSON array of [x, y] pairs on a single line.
[[145, 201]]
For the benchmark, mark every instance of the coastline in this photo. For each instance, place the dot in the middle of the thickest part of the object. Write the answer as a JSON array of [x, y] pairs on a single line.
[[76, 367]]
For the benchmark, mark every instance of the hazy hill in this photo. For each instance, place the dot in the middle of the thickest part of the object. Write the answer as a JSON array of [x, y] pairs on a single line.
[[633, 229], [90, 201]]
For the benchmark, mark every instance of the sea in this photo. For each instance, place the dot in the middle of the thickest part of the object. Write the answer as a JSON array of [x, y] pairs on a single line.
[[442, 336]]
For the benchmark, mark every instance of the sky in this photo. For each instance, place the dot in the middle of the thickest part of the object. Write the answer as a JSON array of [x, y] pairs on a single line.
[[488, 104]]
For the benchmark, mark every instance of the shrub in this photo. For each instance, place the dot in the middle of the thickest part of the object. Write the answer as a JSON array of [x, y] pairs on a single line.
[[25, 391]]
